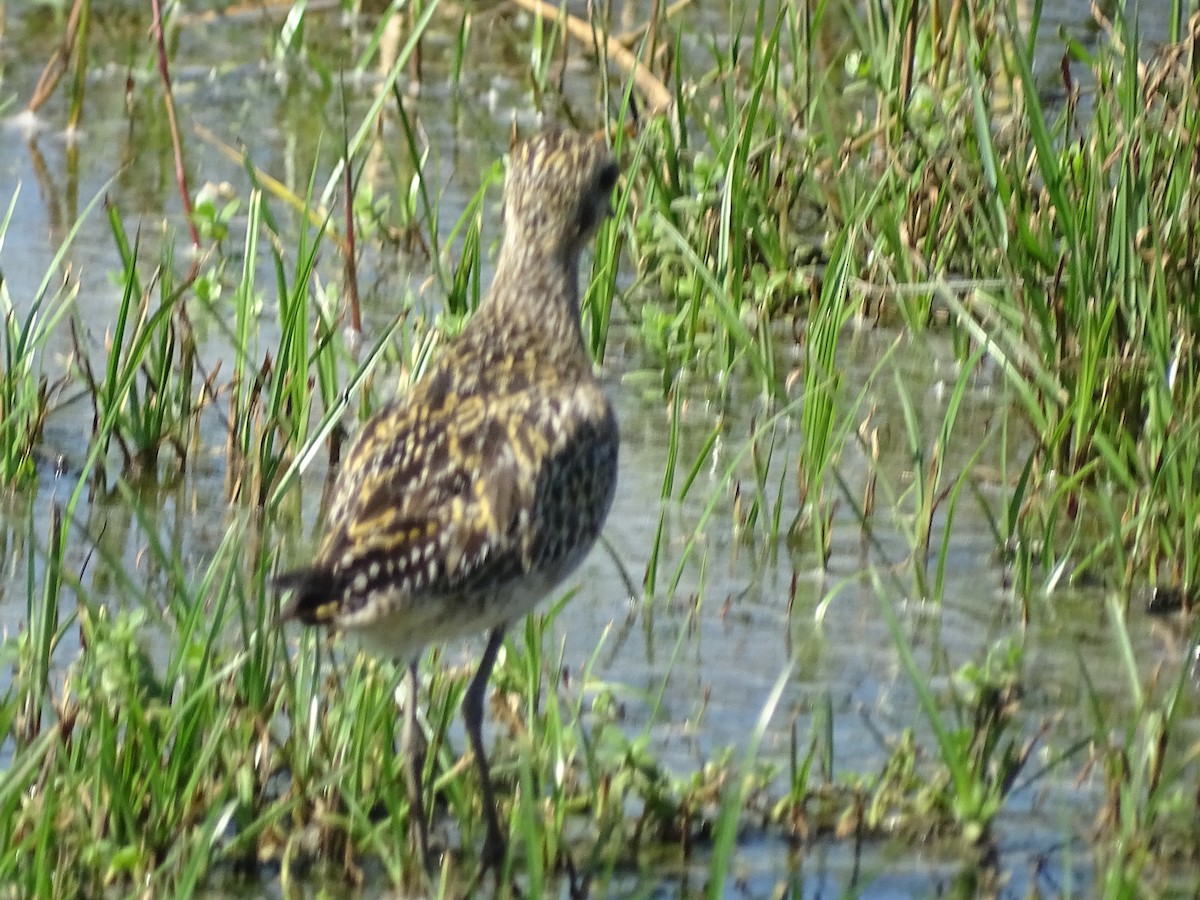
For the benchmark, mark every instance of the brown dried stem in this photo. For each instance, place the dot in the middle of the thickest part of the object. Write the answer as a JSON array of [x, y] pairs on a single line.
[[57, 64], [657, 96], [172, 122]]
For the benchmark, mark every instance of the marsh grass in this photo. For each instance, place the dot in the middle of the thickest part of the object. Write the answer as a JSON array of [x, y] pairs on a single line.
[[272, 401], [143, 400], [160, 729], [1144, 770], [27, 392]]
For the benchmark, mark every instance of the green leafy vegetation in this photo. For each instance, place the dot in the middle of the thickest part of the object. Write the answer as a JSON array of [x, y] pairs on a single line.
[[820, 204]]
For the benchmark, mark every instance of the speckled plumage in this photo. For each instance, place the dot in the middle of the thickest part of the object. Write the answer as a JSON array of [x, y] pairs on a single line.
[[461, 504]]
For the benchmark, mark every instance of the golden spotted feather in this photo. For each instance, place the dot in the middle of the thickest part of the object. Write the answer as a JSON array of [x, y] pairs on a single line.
[[461, 504]]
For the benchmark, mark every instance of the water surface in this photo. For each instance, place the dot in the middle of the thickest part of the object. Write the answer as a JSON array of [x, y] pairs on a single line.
[[733, 616]]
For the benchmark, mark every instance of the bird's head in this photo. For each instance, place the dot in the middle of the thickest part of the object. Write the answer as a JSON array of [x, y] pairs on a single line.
[[558, 191]]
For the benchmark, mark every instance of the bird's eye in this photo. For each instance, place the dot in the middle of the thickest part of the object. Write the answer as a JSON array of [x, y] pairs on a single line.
[[607, 179]]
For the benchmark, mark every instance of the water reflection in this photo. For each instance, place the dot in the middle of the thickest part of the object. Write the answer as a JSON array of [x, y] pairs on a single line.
[[745, 606]]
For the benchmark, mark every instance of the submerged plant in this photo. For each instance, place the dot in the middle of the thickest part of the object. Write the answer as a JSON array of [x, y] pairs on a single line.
[[144, 400], [26, 391]]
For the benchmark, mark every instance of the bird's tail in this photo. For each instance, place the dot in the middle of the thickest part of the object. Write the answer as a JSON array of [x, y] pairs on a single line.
[[313, 599]]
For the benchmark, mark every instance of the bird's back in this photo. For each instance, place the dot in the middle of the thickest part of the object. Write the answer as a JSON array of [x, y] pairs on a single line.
[[461, 504]]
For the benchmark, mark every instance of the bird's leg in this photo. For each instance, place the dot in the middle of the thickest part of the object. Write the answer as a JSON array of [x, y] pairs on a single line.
[[472, 706], [413, 742]]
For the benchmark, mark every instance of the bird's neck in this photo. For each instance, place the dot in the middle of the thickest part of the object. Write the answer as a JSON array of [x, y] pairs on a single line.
[[542, 287]]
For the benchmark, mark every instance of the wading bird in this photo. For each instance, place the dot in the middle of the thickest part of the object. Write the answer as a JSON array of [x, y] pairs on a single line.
[[464, 502]]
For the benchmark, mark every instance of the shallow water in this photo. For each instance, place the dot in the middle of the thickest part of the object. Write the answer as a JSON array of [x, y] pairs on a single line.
[[730, 615]]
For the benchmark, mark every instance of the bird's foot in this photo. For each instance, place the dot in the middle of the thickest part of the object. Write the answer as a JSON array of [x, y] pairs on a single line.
[[491, 861], [579, 886]]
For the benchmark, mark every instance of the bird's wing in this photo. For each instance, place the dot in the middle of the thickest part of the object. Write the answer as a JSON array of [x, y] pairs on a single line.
[[432, 499]]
